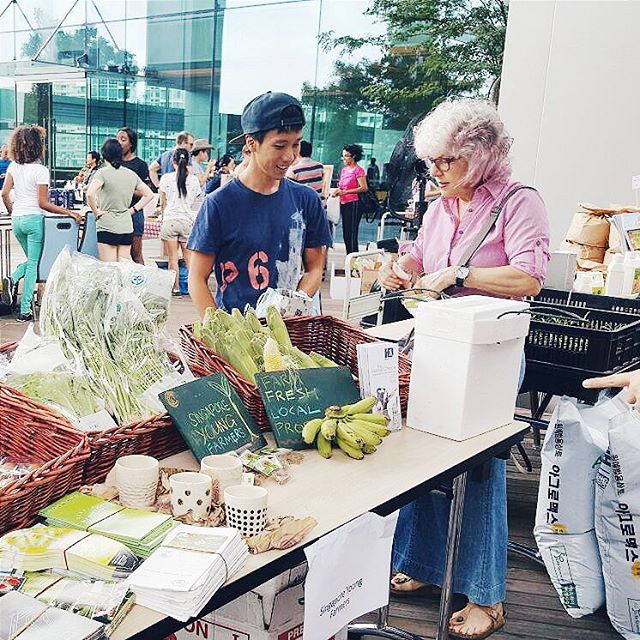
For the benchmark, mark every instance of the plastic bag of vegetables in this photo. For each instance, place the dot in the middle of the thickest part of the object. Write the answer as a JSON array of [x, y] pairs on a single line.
[[105, 327]]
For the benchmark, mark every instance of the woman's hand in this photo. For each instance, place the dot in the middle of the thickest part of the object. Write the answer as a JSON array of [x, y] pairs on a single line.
[[630, 380], [336, 193], [98, 214], [389, 279], [77, 216], [438, 280]]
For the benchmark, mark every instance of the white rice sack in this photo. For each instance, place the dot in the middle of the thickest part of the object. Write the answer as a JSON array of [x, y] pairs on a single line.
[[617, 518], [573, 564], [574, 442], [564, 530]]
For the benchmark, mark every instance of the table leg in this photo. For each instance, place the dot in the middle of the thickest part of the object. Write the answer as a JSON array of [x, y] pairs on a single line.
[[381, 628], [453, 537]]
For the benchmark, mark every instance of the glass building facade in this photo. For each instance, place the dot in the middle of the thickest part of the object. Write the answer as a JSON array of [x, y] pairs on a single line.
[[84, 68]]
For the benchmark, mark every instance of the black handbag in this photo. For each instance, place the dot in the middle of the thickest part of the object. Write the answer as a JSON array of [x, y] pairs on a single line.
[[369, 205]]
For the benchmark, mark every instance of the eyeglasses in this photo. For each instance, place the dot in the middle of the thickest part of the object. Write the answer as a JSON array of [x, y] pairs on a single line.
[[443, 163]]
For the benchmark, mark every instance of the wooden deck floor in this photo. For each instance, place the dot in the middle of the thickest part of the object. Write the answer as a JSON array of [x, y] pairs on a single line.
[[533, 607]]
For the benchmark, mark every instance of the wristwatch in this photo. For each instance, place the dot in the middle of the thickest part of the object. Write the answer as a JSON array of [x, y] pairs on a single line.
[[461, 275]]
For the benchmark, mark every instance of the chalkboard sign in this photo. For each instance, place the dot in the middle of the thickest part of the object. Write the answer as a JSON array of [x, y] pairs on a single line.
[[211, 417], [295, 396]]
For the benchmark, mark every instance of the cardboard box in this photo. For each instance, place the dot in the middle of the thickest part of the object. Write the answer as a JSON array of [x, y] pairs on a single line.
[[273, 616], [367, 278], [272, 611]]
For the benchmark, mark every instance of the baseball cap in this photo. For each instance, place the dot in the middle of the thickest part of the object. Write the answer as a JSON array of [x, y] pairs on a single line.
[[270, 111]]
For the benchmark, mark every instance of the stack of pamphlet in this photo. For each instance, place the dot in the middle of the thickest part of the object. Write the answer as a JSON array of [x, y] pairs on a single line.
[[142, 531], [190, 565], [26, 618], [106, 602], [82, 553]]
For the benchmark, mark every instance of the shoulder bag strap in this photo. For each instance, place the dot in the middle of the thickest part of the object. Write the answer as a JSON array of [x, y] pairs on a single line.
[[488, 226]]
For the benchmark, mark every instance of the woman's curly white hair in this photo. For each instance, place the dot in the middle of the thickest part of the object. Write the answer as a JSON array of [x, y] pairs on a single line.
[[469, 128]]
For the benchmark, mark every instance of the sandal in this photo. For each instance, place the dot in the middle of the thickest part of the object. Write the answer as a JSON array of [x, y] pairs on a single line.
[[497, 618], [405, 585]]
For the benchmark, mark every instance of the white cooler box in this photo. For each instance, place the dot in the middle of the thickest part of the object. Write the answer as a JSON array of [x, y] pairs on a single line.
[[466, 363]]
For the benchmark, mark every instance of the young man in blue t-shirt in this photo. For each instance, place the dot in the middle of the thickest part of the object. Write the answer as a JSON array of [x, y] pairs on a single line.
[[260, 230]]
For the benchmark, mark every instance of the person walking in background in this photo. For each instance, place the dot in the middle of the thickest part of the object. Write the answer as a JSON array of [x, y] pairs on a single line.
[[109, 196], [224, 167], [29, 179], [86, 173], [199, 154], [4, 164], [164, 162], [352, 183], [128, 140], [307, 171], [178, 191], [373, 174]]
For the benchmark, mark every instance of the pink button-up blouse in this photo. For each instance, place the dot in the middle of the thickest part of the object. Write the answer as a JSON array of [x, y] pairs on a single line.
[[520, 237]]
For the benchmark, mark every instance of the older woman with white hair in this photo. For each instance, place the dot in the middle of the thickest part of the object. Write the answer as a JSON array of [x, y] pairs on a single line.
[[466, 147]]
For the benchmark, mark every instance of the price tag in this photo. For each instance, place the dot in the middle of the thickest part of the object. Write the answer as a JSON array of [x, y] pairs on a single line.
[[635, 182]]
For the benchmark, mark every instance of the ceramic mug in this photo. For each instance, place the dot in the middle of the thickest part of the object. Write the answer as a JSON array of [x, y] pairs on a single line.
[[190, 491], [136, 478], [246, 508], [225, 468]]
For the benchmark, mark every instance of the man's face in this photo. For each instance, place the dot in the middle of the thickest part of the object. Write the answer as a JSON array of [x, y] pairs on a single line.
[[276, 153], [188, 145]]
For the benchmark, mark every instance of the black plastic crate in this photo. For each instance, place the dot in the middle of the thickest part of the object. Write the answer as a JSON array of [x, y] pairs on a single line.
[[580, 341], [589, 301]]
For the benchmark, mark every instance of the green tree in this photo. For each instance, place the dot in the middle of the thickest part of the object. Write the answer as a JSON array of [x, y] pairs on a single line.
[[431, 49]]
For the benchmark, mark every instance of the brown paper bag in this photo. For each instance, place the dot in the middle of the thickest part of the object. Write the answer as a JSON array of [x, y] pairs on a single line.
[[588, 229], [584, 251]]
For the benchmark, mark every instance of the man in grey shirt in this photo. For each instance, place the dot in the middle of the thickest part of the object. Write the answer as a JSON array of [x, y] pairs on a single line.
[[164, 163]]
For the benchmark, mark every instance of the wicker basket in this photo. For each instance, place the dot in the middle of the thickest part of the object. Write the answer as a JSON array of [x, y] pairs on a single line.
[[329, 336], [155, 436], [31, 431]]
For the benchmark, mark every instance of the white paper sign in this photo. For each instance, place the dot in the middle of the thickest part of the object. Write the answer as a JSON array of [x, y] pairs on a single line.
[[349, 572], [635, 182]]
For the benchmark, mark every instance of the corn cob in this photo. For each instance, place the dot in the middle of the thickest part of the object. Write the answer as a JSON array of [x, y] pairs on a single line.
[[321, 361], [238, 357], [278, 327], [252, 321], [300, 358], [273, 359]]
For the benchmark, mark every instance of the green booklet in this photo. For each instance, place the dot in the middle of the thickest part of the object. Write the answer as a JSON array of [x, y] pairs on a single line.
[[79, 510], [141, 530], [211, 417], [295, 396]]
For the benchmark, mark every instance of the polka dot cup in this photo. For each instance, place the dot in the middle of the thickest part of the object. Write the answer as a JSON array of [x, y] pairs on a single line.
[[190, 491], [246, 507]]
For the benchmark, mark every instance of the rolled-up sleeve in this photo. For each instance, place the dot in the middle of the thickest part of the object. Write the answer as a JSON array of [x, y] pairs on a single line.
[[526, 234], [417, 250]]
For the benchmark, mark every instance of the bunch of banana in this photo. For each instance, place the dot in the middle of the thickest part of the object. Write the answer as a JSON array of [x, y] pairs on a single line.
[[354, 429]]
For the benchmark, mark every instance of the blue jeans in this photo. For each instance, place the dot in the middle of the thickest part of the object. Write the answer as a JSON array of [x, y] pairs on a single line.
[[420, 542], [30, 234]]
